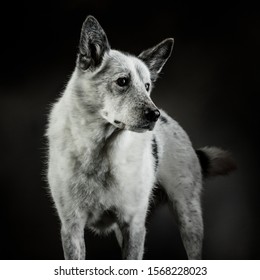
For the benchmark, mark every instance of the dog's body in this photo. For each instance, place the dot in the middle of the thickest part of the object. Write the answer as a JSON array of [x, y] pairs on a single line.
[[109, 146]]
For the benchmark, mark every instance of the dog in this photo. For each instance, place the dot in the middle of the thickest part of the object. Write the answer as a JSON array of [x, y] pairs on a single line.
[[109, 146]]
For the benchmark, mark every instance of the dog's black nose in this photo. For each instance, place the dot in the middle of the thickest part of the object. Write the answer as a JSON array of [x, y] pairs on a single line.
[[152, 115]]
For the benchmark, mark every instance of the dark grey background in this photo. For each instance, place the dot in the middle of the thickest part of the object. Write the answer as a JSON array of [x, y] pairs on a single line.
[[210, 85]]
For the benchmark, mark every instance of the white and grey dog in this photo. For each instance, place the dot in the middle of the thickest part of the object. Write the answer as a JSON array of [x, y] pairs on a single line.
[[109, 145]]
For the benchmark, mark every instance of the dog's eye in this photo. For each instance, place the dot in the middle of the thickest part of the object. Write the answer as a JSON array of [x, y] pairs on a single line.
[[147, 86], [123, 81]]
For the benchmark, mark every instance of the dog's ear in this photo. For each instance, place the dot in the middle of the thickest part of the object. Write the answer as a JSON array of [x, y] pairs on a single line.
[[92, 45], [156, 57]]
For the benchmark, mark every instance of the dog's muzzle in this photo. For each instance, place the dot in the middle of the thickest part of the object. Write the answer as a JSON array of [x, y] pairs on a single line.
[[147, 122]]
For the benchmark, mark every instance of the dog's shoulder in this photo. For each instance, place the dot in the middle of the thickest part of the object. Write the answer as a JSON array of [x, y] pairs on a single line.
[[169, 129], [172, 138]]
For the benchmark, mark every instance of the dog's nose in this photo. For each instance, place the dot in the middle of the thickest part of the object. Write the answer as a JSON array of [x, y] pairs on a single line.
[[152, 115]]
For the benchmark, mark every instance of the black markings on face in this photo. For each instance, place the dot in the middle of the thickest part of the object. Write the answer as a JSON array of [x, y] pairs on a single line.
[[155, 153]]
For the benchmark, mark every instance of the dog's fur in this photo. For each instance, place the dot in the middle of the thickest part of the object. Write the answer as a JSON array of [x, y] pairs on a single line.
[[107, 150]]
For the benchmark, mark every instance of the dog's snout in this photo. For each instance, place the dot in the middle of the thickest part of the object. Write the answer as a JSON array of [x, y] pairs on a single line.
[[152, 115]]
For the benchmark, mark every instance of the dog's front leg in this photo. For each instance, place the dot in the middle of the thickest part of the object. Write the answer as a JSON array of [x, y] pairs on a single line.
[[133, 240]]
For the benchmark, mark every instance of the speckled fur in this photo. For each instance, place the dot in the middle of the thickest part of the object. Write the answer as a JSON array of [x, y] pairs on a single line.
[[104, 158]]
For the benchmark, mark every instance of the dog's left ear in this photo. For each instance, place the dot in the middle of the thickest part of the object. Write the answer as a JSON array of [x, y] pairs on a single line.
[[92, 45], [156, 57]]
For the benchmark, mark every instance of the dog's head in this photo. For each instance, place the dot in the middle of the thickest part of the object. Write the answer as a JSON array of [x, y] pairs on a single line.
[[116, 85]]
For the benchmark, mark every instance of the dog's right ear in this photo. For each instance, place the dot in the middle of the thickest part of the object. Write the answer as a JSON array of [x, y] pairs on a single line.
[[92, 45]]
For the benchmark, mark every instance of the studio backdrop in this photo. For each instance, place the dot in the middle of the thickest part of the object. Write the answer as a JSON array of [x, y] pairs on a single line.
[[209, 85]]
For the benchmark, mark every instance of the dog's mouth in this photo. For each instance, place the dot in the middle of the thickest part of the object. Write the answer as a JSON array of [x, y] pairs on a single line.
[[135, 128], [119, 124]]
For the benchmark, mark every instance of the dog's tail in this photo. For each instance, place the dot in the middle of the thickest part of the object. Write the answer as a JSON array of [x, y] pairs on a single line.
[[215, 161]]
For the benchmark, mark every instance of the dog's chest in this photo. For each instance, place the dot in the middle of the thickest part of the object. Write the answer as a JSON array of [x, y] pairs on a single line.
[[120, 178]]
